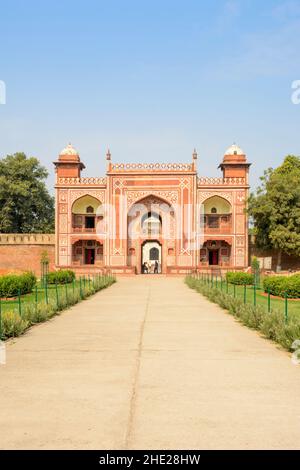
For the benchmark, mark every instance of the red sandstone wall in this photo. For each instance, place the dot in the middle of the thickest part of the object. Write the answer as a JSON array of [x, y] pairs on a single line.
[[287, 262], [19, 258]]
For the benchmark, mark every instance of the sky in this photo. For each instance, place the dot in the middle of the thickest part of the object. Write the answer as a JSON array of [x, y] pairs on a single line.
[[150, 80]]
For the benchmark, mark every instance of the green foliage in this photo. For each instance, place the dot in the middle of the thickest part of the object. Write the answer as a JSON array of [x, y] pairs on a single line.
[[255, 269], [14, 325], [255, 264], [64, 276], [275, 208], [279, 285], [12, 284], [45, 257], [25, 203], [271, 324], [240, 278]]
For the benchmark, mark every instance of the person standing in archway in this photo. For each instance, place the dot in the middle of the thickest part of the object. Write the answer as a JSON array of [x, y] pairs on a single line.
[[145, 268]]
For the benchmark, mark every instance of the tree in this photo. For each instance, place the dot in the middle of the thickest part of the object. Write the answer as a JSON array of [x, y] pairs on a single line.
[[25, 203], [275, 209]]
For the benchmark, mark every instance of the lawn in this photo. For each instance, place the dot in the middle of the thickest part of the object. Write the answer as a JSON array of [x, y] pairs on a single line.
[[261, 297], [48, 294]]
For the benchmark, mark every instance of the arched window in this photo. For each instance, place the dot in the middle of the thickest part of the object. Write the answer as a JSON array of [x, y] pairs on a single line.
[[213, 210], [154, 254], [90, 210], [151, 224]]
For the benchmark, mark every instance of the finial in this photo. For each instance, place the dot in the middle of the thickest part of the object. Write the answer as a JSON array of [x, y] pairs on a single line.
[[195, 155], [108, 155]]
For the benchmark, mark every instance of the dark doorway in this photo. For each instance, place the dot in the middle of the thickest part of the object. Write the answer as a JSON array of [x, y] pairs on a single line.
[[154, 254], [90, 222], [213, 257], [89, 257]]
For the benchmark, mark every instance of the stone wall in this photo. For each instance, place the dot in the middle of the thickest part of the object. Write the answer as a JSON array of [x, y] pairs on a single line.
[[22, 252], [287, 262]]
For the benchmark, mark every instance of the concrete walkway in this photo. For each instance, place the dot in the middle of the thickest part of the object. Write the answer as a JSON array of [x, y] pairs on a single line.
[[147, 363]]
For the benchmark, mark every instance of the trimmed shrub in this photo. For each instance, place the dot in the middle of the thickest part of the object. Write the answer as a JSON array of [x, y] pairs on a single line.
[[279, 285], [271, 324], [13, 324], [64, 276], [38, 313], [240, 278], [12, 284]]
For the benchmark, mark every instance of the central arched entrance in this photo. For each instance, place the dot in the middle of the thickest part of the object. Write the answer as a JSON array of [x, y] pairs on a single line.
[[151, 234], [152, 256]]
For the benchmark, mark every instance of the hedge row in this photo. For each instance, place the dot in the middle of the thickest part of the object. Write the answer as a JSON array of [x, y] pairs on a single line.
[[12, 284], [64, 276], [13, 324], [271, 324], [283, 285], [240, 278]]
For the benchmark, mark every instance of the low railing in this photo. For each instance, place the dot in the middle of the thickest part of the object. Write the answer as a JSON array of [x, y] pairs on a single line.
[[119, 167], [217, 230], [151, 232], [207, 181], [83, 230], [82, 181], [78, 262], [217, 223]]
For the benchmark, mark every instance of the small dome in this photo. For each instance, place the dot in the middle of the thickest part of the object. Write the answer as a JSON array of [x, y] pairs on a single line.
[[234, 150], [69, 154], [234, 154], [69, 150]]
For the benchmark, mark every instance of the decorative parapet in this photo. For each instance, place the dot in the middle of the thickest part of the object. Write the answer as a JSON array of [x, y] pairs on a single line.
[[27, 238], [207, 181], [64, 181], [151, 167]]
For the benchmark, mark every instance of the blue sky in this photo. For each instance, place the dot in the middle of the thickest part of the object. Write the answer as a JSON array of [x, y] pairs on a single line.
[[151, 80]]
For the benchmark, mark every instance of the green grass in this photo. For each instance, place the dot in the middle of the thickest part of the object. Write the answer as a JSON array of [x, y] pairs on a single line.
[[261, 297], [274, 324], [42, 304], [40, 294]]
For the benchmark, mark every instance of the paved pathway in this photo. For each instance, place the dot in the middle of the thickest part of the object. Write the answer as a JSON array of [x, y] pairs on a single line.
[[147, 363]]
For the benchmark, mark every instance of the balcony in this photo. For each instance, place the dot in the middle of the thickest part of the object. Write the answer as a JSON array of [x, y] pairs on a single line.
[[80, 229], [217, 223]]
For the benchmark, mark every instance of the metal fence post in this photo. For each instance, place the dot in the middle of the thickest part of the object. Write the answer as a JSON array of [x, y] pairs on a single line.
[[245, 293], [46, 291], [254, 295], [36, 298], [269, 301], [80, 287], [19, 302], [56, 292], [0, 319], [286, 317]]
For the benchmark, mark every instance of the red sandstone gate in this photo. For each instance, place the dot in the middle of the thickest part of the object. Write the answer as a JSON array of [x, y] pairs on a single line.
[[192, 215]]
